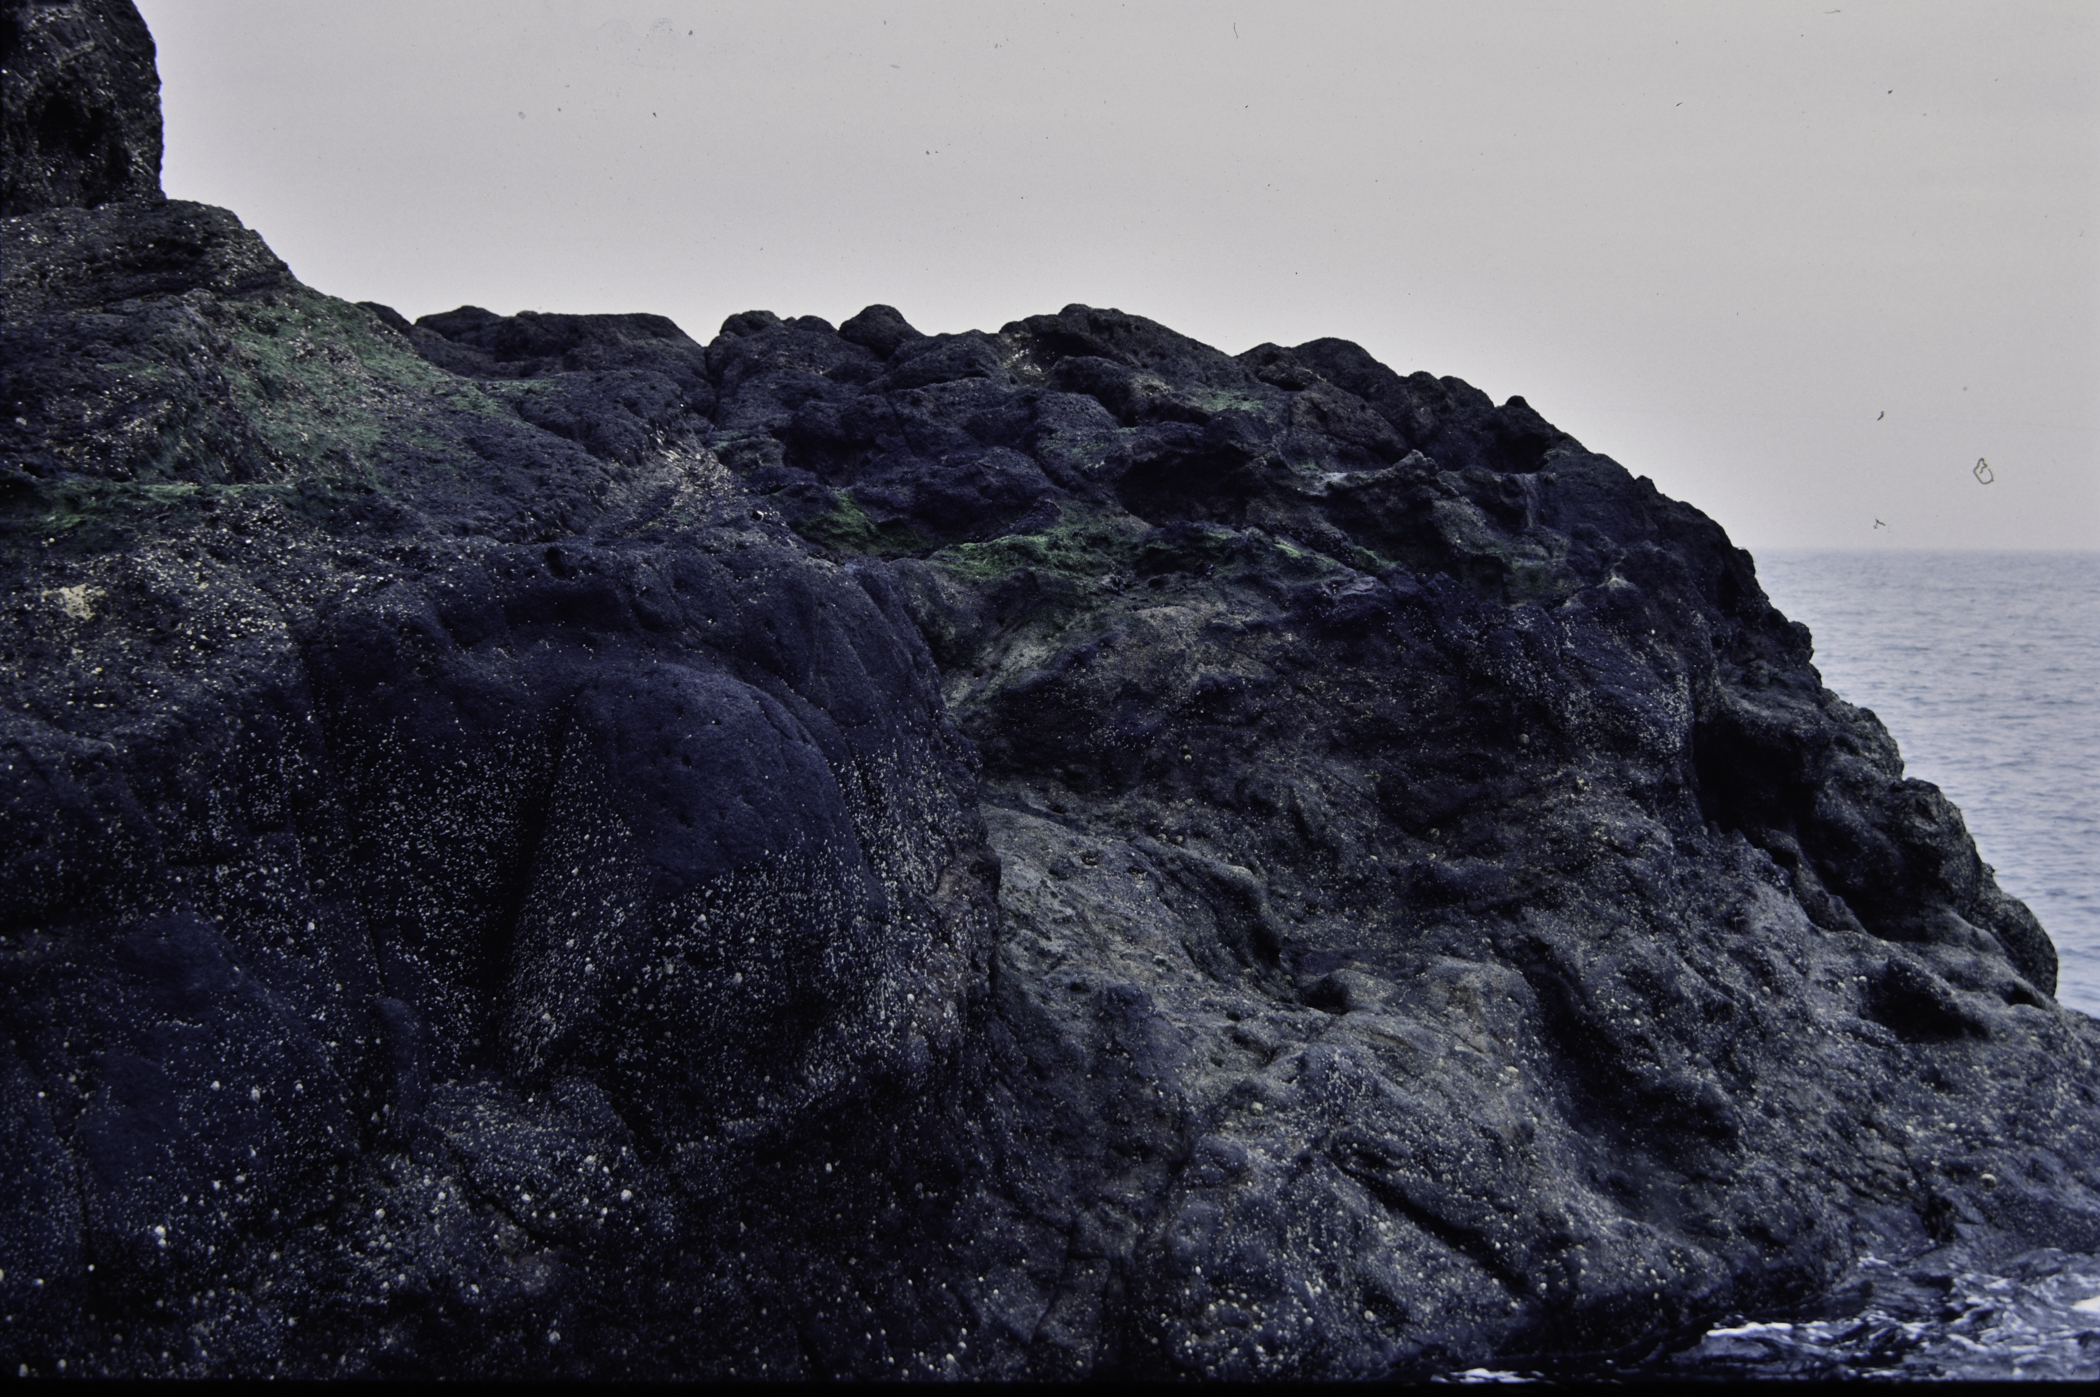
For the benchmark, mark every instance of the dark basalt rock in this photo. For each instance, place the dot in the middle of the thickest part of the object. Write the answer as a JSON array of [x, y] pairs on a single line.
[[79, 106], [536, 846]]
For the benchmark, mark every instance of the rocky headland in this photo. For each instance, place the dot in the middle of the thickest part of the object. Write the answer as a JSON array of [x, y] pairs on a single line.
[[534, 845]]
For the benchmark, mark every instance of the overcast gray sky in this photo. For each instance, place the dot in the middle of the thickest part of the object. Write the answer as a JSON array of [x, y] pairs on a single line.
[[1802, 264]]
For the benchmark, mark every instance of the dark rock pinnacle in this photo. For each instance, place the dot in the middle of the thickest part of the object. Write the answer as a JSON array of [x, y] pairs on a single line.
[[531, 845], [79, 106]]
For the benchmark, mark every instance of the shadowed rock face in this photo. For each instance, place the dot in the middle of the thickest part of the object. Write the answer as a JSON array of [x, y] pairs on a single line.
[[79, 106], [536, 846]]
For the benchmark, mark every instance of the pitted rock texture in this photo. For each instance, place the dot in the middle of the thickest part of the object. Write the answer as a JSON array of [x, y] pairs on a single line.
[[536, 846], [79, 105], [1441, 907], [399, 795]]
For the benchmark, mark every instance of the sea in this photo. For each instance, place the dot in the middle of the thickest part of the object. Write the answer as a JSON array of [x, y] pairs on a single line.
[[1985, 667]]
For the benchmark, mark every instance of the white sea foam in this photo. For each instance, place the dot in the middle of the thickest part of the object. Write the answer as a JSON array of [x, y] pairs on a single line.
[[2034, 1322]]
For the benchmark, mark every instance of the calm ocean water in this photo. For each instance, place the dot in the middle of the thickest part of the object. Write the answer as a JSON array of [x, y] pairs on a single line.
[[1986, 668]]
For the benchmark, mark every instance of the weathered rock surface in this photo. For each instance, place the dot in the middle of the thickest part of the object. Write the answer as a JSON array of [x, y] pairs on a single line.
[[79, 106], [533, 845]]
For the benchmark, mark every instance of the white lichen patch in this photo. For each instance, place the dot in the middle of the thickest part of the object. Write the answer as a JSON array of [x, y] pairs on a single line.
[[76, 602]]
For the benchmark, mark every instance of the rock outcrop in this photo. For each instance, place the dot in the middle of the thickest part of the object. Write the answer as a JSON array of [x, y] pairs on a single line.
[[79, 106], [536, 846]]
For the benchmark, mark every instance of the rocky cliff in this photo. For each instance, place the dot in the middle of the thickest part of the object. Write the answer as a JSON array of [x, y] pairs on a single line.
[[534, 845]]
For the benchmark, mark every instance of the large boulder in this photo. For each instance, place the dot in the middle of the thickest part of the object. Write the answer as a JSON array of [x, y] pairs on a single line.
[[1443, 912]]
